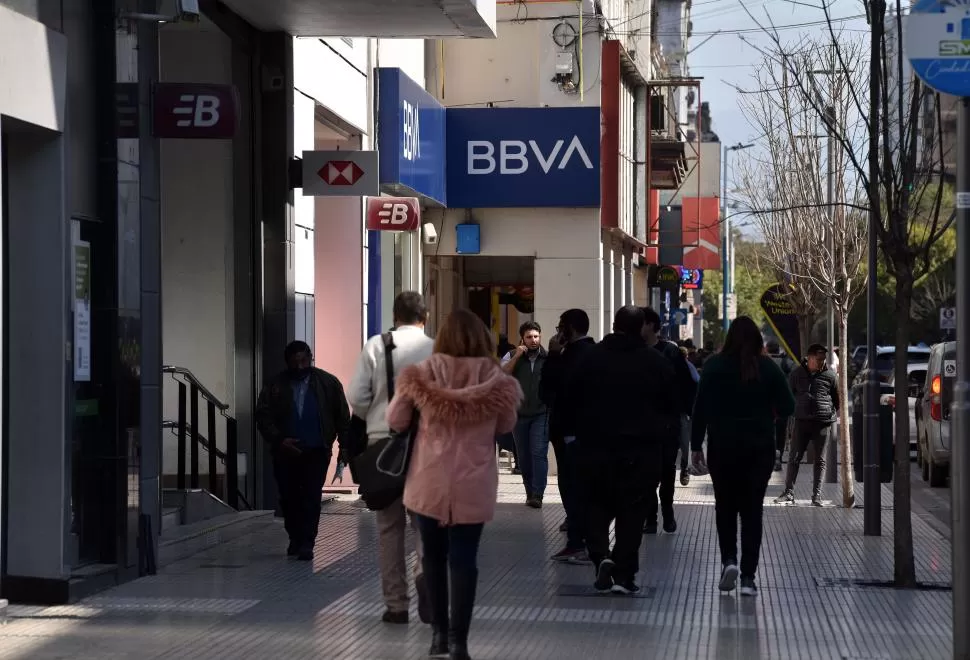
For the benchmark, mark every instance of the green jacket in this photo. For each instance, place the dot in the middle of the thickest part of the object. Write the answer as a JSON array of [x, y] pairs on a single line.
[[731, 411]]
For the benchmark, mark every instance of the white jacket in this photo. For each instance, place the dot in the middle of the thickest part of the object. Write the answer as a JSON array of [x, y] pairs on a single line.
[[367, 393]]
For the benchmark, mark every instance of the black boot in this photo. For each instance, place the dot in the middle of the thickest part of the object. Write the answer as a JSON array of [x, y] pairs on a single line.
[[425, 611], [463, 586], [817, 484], [435, 580]]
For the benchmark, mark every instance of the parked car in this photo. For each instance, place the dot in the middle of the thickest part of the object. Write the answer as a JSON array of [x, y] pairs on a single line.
[[933, 415], [884, 364]]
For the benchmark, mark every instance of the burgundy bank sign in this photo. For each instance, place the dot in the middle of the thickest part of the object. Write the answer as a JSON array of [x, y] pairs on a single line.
[[194, 111]]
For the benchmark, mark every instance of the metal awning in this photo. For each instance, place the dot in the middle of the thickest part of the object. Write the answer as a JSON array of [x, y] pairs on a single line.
[[370, 18]]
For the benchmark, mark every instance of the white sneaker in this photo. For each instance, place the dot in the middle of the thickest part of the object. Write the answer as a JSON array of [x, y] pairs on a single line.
[[748, 587], [729, 577]]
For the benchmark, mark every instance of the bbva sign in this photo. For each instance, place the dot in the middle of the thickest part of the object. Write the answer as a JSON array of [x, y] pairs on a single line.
[[516, 156]]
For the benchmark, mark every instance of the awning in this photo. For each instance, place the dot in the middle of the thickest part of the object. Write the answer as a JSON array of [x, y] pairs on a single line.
[[370, 18]]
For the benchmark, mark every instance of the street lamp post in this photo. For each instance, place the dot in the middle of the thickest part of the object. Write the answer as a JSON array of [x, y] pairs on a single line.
[[726, 261]]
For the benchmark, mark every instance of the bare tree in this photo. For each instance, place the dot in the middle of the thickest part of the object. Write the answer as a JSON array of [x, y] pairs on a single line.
[[797, 217], [904, 192]]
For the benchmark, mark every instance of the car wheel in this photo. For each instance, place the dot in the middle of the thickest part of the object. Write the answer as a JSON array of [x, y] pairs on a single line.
[[938, 475]]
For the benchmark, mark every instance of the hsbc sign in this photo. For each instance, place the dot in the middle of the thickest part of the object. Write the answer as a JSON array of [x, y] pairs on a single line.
[[194, 111], [393, 213], [340, 174]]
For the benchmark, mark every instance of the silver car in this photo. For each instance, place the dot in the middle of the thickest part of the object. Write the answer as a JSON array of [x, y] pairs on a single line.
[[933, 415]]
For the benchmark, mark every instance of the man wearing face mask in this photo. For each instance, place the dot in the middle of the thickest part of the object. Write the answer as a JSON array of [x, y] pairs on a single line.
[[300, 413], [531, 431]]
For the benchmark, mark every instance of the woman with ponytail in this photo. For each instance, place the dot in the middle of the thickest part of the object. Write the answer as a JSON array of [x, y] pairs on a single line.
[[741, 393]]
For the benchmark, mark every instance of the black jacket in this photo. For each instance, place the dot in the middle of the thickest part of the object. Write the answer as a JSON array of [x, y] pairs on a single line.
[[555, 378], [275, 406], [686, 387], [816, 395], [621, 389]]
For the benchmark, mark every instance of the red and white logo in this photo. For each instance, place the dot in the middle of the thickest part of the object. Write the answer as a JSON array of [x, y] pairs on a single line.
[[188, 110], [202, 111], [393, 213], [340, 172]]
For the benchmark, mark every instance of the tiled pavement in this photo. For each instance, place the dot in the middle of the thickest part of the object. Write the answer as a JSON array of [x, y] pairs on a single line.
[[242, 600]]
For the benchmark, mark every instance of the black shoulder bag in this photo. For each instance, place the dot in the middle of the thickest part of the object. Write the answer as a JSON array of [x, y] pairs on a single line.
[[381, 469]]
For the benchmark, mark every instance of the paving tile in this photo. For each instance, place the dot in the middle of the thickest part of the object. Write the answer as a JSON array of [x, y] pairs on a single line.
[[243, 600]]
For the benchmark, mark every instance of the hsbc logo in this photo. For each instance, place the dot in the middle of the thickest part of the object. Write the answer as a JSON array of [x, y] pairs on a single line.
[[516, 157], [340, 172], [202, 110], [393, 213], [189, 110]]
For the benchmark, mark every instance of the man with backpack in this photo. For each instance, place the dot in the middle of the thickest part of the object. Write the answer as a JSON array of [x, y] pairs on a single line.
[[368, 396], [685, 389]]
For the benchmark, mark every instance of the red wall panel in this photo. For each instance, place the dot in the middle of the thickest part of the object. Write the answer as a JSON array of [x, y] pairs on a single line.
[[610, 137], [701, 232]]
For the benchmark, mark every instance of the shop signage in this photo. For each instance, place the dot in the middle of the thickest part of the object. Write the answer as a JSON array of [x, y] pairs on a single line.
[[780, 312], [410, 137], [82, 312], [340, 173], [520, 157], [193, 110], [666, 277], [938, 45], [393, 213]]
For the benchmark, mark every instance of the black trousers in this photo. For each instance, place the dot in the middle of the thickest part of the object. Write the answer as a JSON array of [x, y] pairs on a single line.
[[617, 483], [804, 434], [781, 434], [570, 489], [668, 477], [740, 474], [299, 478]]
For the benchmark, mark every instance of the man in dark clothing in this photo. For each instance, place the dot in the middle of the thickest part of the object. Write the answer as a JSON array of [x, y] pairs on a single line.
[[685, 389], [565, 350], [531, 431], [619, 405], [786, 364], [300, 414], [816, 391]]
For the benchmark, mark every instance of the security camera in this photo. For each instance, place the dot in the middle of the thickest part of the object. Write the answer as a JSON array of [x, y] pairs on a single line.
[[430, 233], [188, 11]]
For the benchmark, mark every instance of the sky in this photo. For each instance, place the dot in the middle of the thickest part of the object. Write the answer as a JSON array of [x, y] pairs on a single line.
[[728, 59]]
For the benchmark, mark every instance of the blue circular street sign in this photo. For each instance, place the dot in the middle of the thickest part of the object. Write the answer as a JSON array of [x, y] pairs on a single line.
[[937, 43]]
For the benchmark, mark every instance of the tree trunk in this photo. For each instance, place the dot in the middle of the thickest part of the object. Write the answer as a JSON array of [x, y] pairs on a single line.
[[904, 564], [845, 441]]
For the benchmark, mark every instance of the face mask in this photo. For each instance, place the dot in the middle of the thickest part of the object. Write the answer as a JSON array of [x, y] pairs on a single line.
[[299, 374]]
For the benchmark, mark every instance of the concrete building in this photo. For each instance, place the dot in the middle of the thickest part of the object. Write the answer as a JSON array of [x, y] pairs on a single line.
[[164, 257]]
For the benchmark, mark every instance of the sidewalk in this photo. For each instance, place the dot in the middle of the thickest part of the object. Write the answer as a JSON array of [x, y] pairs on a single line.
[[244, 600]]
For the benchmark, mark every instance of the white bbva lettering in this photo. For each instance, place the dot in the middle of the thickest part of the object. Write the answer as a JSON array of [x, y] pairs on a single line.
[[514, 156], [411, 141], [481, 150]]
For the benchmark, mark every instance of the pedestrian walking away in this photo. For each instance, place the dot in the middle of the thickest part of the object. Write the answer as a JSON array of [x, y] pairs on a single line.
[[463, 400], [620, 406], [816, 391], [531, 431], [782, 424], [740, 395], [566, 349], [685, 389], [300, 413], [368, 394]]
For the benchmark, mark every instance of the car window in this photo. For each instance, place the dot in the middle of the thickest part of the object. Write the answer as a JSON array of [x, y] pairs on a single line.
[[886, 361]]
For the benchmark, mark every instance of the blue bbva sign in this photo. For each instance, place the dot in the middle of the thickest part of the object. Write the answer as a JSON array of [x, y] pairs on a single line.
[[485, 157], [410, 137], [500, 157]]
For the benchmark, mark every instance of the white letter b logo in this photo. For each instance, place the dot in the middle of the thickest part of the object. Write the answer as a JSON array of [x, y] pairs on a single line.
[[206, 111]]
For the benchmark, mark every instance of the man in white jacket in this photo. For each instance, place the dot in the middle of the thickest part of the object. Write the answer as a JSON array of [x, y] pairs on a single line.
[[367, 396]]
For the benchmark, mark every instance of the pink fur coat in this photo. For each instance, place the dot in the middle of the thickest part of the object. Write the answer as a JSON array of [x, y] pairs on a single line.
[[463, 403]]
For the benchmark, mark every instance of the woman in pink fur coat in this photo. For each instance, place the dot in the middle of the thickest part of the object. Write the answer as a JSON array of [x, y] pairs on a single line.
[[464, 400]]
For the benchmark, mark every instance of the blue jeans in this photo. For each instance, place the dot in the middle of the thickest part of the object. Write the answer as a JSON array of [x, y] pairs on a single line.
[[532, 448]]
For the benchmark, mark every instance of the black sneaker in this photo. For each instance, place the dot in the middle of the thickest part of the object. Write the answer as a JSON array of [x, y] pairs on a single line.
[[684, 478], [748, 587], [439, 644], [305, 553], [670, 526], [570, 556], [626, 587], [729, 577], [534, 503], [788, 497], [817, 500], [398, 618], [604, 576], [293, 549], [650, 528]]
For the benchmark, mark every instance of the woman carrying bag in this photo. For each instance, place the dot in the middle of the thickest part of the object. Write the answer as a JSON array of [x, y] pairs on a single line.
[[464, 400]]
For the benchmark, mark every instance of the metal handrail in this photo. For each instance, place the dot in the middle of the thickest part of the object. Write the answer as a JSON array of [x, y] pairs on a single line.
[[182, 371], [203, 441]]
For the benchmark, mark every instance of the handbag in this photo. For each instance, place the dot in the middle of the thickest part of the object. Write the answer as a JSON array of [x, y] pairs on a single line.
[[381, 469]]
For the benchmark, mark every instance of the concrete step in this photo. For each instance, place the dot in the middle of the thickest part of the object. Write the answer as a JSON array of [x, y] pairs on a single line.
[[171, 517]]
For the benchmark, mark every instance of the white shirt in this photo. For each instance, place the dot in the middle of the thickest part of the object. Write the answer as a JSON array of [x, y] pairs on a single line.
[[367, 393]]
